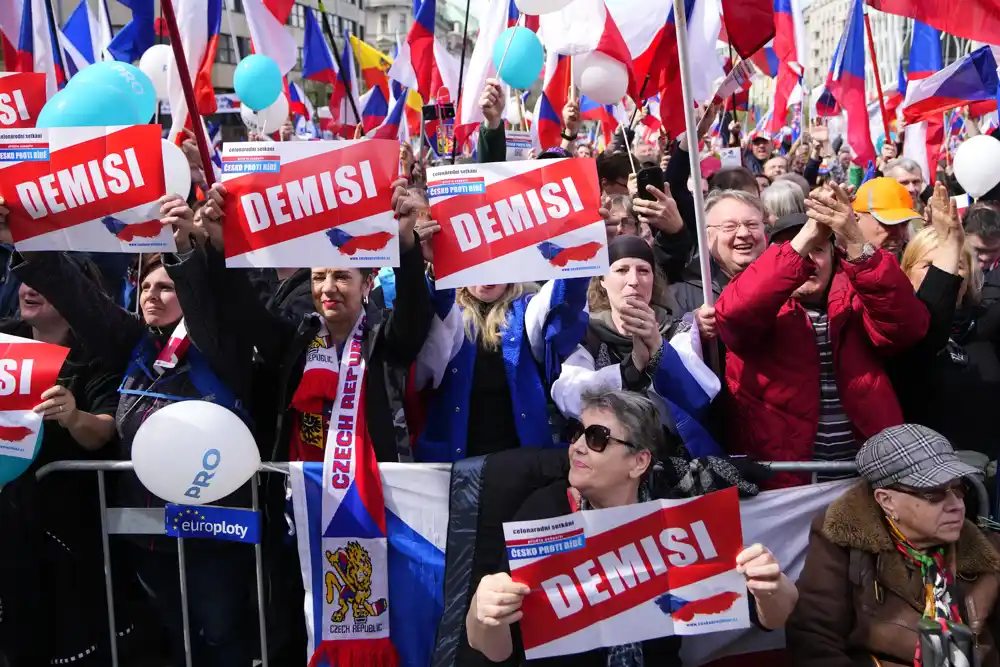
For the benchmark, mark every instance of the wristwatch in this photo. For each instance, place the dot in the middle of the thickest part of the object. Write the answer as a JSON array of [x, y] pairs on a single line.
[[567, 137], [867, 250]]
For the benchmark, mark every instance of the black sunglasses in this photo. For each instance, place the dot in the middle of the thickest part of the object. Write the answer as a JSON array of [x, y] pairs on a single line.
[[933, 496], [597, 437]]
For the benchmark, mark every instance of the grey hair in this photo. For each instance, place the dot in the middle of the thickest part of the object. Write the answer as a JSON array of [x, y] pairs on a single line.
[[783, 198], [716, 197], [906, 164], [637, 413]]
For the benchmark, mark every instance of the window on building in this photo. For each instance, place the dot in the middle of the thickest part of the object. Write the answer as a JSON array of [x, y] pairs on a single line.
[[361, 4], [383, 24], [297, 17], [298, 63], [402, 23], [244, 44], [361, 32], [236, 6], [225, 53]]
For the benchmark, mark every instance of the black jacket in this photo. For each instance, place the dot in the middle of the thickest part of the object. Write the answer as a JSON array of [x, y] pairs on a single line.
[[950, 381], [491, 145], [391, 343], [112, 334]]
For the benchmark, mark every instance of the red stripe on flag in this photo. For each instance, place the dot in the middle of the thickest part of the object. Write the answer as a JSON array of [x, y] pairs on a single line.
[[90, 158], [382, 157], [449, 257]]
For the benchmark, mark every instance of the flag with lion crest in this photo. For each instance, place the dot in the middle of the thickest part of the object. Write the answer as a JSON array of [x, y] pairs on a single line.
[[372, 578]]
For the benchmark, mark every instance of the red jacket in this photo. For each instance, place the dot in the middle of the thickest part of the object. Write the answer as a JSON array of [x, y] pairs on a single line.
[[772, 362]]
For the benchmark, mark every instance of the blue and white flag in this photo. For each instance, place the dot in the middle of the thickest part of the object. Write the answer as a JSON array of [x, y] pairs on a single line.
[[416, 520]]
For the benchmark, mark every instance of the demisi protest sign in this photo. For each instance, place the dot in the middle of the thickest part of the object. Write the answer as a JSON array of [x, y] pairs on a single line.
[[310, 203], [27, 369], [85, 188], [517, 221], [628, 574], [22, 96]]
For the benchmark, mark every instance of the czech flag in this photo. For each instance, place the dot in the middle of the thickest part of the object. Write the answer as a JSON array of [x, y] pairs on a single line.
[[375, 111], [37, 47], [826, 104], [415, 64], [298, 103], [977, 20], [10, 32], [972, 78], [317, 59], [393, 127], [269, 37], [555, 94], [137, 35], [198, 22], [750, 24], [766, 61], [846, 82]]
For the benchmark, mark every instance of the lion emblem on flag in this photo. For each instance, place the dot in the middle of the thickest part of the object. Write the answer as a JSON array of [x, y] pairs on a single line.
[[350, 584]]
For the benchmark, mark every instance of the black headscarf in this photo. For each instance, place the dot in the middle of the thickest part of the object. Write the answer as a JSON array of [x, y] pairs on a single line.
[[630, 246]]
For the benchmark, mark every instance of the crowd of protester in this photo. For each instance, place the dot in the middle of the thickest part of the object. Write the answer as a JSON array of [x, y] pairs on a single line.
[[841, 315]]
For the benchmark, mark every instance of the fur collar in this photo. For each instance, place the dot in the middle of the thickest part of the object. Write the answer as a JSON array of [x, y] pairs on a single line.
[[855, 521]]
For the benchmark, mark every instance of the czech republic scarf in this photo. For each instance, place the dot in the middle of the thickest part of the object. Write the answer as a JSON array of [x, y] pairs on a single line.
[[354, 627]]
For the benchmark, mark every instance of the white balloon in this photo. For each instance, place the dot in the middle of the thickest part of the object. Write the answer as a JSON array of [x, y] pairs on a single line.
[[538, 7], [575, 30], [266, 121], [512, 111], [176, 170], [977, 164], [600, 77], [154, 64], [194, 452]]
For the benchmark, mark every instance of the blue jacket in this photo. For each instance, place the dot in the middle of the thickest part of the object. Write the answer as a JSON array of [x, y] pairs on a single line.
[[541, 331]]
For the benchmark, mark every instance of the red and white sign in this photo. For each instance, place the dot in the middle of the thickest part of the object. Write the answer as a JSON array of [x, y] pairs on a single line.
[[628, 574], [310, 203], [517, 221], [27, 369], [22, 96], [85, 188]]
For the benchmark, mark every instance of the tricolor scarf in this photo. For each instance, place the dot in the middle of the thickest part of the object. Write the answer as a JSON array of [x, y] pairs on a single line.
[[354, 629], [939, 601]]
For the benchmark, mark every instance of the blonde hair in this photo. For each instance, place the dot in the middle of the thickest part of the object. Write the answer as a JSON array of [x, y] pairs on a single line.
[[926, 241], [483, 322], [597, 296]]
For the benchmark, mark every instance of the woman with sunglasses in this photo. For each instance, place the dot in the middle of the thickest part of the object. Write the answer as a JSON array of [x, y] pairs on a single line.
[[630, 345], [893, 564], [610, 460]]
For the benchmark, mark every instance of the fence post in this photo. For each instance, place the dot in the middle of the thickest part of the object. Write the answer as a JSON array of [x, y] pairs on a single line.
[[185, 621], [109, 590], [259, 557]]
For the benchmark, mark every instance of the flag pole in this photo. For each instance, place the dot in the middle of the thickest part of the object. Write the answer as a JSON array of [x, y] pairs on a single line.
[[55, 35], [691, 129], [336, 55], [185, 76], [461, 73], [878, 78]]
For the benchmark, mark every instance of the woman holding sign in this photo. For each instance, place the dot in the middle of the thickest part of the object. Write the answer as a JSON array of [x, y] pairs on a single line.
[[179, 348], [631, 344], [618, 441]]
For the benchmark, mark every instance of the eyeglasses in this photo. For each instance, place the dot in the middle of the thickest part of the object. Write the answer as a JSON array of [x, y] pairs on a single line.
[[597, 437], [731, 226], [933, 496]]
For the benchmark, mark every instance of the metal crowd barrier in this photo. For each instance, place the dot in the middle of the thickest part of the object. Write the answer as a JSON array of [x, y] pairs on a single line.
[[151, 521]]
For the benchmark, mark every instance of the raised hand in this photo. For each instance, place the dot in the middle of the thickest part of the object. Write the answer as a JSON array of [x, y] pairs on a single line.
[[209, 217], [498, 600], [491, 102], [661, 213], [174, 211]]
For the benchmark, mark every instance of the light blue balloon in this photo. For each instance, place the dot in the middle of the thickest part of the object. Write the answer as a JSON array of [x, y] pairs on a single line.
[[257, 82], [524, 60], [12, 467], [128, 78], [91, 105]]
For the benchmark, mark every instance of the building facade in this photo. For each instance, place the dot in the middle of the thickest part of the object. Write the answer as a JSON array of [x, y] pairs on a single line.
[[390, 20]]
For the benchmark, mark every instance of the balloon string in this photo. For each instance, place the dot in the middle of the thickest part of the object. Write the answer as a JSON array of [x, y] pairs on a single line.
[[509, 42]]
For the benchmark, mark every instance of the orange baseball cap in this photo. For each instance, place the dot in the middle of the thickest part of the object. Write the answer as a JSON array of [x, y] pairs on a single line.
[[886, 200]]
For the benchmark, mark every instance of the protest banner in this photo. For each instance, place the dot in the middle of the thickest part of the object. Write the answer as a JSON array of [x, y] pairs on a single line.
[[91, 189], [310, 203], [518, 145], [516, 221], [628, 574], [22, 96], [730, 157], [27, 369]]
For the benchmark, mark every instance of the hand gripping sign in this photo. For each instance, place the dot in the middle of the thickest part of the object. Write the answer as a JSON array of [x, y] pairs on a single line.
[[27, 369], [22, 96], [627, 574], [85, 188], [310, 203], [517, 221]]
